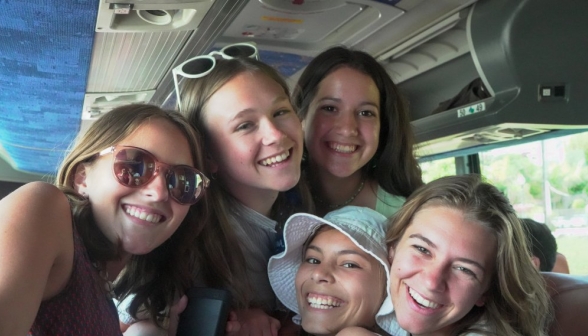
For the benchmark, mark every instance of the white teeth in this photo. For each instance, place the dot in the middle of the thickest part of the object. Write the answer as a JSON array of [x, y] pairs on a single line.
[[421, 300], [343, 148], [135, 212], [277, 158], [316, 305], [323, 303]]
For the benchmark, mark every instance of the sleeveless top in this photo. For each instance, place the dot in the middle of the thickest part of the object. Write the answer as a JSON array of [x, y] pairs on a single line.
[[83, 307]]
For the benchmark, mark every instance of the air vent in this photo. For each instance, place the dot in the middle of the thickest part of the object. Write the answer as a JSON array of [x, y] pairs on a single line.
[[303, 7], [97, 104], [141, 16], [501, 134], [478, 137], [306, 27]]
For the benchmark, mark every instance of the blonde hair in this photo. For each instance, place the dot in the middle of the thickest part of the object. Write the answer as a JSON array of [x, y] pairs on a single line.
[[517, 302], [158, 275]]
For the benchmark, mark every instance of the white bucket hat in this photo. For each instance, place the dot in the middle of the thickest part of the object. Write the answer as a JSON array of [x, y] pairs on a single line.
[[364, 226]]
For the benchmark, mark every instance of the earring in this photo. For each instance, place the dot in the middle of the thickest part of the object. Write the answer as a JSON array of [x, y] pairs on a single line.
[[213, 175]]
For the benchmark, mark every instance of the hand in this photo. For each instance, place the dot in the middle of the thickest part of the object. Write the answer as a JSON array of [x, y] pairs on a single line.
[[233, 324], [174, 315], [355, 331], [149, 328], [144, 328], [289, 328], [252, 322]]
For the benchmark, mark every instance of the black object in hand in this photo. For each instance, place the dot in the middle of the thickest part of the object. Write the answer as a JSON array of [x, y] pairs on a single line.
[[206, 314]]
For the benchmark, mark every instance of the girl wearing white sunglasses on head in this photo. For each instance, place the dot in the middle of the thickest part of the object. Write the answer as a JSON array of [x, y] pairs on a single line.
[[254, 136]]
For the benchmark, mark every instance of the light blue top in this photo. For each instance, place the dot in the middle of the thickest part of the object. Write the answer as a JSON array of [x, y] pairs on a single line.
[[388, 204]]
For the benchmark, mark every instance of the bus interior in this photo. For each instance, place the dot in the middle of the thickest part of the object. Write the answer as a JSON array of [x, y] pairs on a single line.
[[63, 64]]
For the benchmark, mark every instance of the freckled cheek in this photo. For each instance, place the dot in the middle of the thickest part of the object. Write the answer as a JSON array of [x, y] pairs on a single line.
[[403, 265], [396, 274], [400, 257]]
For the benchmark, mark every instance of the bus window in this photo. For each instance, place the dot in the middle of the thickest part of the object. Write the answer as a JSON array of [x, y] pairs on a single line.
[[548, 181], [433, 170]]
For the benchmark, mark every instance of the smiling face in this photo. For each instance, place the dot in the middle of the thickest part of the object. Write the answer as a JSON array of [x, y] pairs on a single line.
[[140, 218], [440, 270], [256, 135], [338, 284], [343, 123]]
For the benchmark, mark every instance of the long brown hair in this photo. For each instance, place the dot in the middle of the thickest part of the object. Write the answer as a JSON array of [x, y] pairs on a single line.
[[159, 275], [221, 259], [393, 165], [517, 303]]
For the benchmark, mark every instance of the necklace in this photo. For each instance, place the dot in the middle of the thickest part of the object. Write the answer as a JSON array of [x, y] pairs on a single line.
[[349, 200]]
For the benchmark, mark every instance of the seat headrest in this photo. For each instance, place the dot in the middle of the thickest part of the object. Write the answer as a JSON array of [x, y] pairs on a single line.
[[569, 295]]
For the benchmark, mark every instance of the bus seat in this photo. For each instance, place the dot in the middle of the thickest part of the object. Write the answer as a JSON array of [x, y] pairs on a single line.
[[569, 295]]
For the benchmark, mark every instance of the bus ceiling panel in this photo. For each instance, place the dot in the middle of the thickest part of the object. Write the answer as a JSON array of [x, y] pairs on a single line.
[[435, 46], [138, 41], [129, 62], [142, 16], [308, 27], [289, 33], [421, 21]]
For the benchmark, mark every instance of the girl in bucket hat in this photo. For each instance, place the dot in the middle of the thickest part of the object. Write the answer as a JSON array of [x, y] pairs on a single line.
[[333, 272]]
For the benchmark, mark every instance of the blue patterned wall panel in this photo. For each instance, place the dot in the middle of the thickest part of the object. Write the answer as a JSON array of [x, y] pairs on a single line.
[[287, 64], [45, 50]]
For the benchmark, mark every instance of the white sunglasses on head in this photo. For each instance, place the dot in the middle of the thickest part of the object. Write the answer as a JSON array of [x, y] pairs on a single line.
[[202, 65]]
